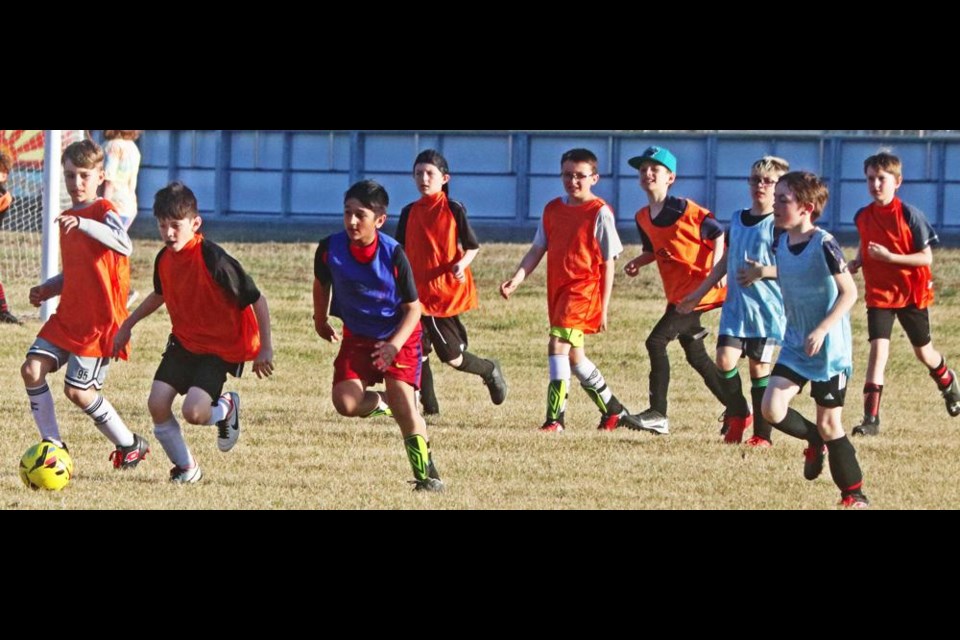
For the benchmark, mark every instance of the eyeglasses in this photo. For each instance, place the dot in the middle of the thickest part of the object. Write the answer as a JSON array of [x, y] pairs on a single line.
[[579, 177], [756, 182]]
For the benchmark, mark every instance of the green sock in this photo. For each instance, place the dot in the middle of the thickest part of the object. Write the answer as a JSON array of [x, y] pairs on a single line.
[[419, 455], [556, 400]]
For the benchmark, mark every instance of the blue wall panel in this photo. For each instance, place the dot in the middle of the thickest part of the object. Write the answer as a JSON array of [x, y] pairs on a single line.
[[509, 176]]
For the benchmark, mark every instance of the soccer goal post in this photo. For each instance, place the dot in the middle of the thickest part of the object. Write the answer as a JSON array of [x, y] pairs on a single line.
[[50, 243]]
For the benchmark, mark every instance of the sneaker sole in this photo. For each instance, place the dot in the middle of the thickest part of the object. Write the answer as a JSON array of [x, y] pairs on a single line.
[[661, 430], [195, 479]]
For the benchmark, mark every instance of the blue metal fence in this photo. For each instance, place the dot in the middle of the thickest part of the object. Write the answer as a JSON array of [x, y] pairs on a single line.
[[505, 177]]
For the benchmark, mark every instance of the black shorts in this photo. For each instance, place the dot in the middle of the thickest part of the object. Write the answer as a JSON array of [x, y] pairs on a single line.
[[829, 395], [757, 349], [446, 336], [182, 369], [916, 322]]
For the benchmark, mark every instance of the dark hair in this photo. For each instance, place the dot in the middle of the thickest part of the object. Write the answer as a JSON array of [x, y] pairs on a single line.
[[126, 134], [6, 162], [434, 157], [85, 154], [370, 194], [175, 202], [580, 155], [807, 188]]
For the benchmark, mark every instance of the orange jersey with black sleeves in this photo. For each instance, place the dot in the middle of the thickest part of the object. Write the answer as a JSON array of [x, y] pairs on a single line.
[[93, 302], [575, 265], [683, 256], [209, 297], [432, 244], [903, 230]]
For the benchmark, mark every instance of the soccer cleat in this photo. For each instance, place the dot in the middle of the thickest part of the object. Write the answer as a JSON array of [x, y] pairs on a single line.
[[650, 420], [428, 484], [610, 421], [951, 396], [734, 426], [756, 442], [869, 426], [813, 461], [432, 469], [179, 475], [723, 423], [8, 318], [854, 501], [228, 429], [130, 457], [61, 444], [382, 410], [552, 426], [496, 384]]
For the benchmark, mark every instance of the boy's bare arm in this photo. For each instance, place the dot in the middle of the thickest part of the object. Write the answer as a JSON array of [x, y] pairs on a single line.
[[321, 311], [719, 251], [846, 298], [609, 271], [718, 273], [854, 265], [919, 259], [459, 268], [150, 304], [385, 351], [49, 289], [633, 267], [527, 265], [263, 363]]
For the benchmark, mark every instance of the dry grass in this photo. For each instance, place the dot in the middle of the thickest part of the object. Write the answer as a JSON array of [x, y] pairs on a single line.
[[295, 452]]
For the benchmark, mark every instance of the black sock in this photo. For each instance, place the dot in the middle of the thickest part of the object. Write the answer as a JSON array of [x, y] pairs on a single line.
[[476, 366], [941, 374], [428, 397], [733, 400], [799, 427], [614, 406], [844, 466], [871, 399], [761, 427]]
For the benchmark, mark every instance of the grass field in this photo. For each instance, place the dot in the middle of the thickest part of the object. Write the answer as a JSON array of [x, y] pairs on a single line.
[[295, 452]]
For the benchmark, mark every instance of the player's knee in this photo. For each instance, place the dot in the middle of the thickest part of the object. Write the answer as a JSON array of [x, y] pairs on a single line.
[[195, 414], [656, 343], [345, 406], [31, 372], [772, 413]]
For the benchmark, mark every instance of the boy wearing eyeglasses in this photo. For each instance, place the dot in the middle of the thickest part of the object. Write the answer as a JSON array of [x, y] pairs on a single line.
[[686, 242], [751, 321], [579, 235], [895, 256]]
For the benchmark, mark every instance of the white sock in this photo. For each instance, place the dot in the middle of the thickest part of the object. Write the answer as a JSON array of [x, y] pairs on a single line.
[[108, 422], [560, 368], [591, 378], [41, 406], [220, 410], [171, 439]]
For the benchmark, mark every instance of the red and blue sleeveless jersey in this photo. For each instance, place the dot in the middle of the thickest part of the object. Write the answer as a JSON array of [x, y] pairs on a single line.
[[367, 296]]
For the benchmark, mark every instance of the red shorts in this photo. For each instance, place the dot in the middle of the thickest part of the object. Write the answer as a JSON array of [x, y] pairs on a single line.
[[354, 362]]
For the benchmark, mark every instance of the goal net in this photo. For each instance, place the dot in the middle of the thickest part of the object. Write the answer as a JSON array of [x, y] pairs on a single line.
[[21, 254]]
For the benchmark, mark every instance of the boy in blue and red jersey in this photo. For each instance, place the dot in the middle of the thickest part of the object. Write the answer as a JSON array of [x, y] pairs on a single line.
[[220, 321], [364, 278], [895, 256]]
